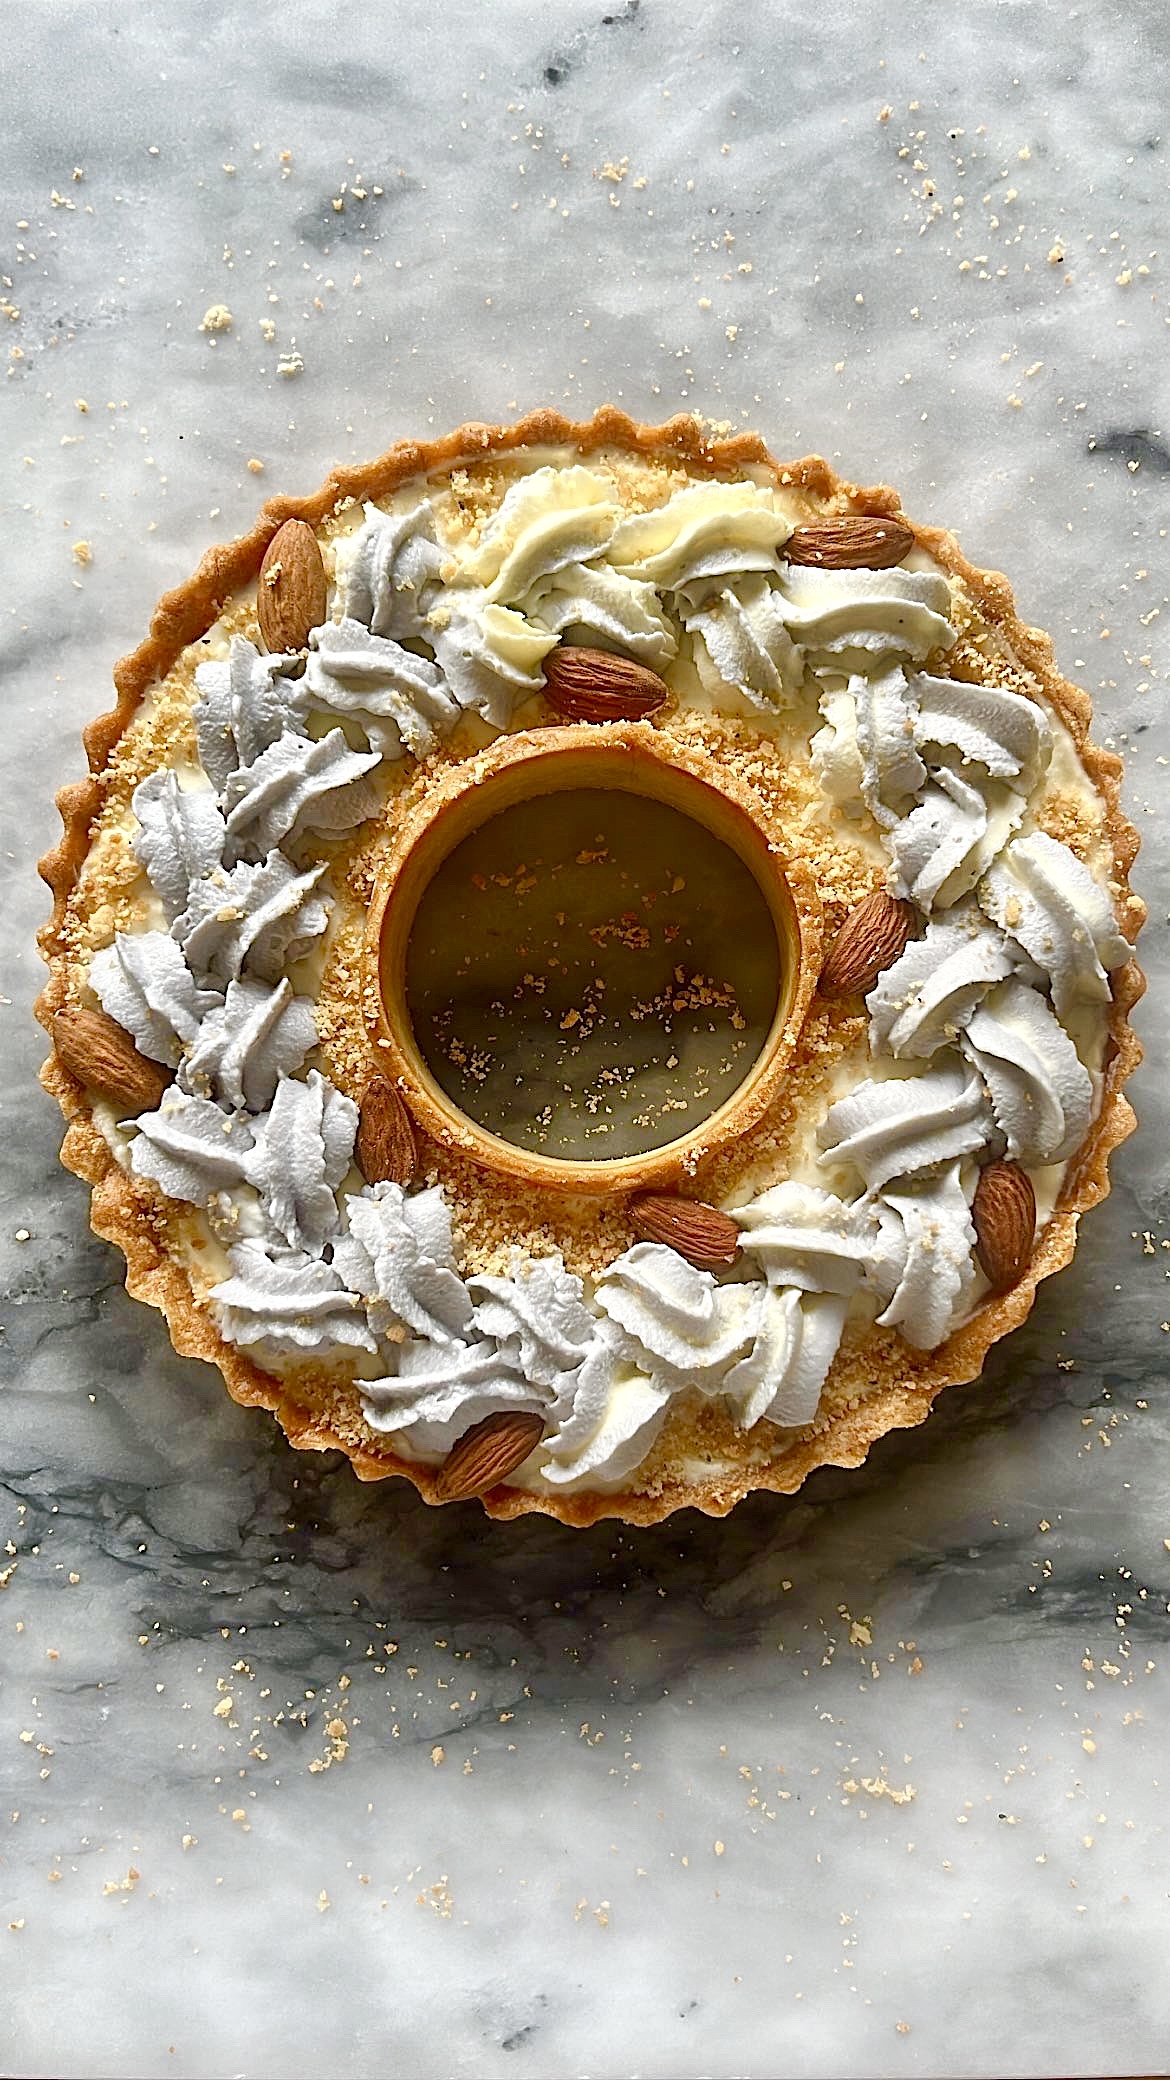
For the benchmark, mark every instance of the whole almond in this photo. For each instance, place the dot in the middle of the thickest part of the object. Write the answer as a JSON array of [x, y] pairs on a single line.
[[849, 542], [385, 1137], [1004, 1215], [700, 1233], [873, 935], [488, 1453], [291, 597], [600, 686], [101, 1054]]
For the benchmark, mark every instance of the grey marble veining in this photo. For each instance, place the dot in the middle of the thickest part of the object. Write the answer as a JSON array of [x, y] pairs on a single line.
[[298, 1774]]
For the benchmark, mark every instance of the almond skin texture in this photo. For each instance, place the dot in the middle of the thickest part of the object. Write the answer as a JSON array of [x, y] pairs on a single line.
[[385, 1136], [700, 1233], [102, 1056], [487, 1453], [1004, 1215], [599, 686], [873, 935], [291, 597], [850, 542]]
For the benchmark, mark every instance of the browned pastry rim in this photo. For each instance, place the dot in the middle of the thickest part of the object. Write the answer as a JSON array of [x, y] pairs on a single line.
[[119, 1215]]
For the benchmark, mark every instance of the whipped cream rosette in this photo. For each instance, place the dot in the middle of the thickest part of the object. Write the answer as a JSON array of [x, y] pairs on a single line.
[[870, 726]]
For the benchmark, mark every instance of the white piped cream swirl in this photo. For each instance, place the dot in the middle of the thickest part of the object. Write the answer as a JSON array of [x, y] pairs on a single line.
[[922, 753], [490, 655], [144, 983], [398, 1254], [287, 1301], [396, 698], [1042, 894], [191, 1149], [537, 1314], [1041, 1093], [596, 598], [703, 532], [298, 784], [742, 640], [924, 999], [942, 847], [180, 836], [605, 1422], [795, 1335], [291, 1157], [262, 917], [799, 1235], [404, 585], [866, 753], [838, 614], [388, 571], [989, 726], [242, 708], [924, 1268], [545, 522], [438, 1391], [254, 1037], [905, 1124], [678, 1325], [304, 1147]]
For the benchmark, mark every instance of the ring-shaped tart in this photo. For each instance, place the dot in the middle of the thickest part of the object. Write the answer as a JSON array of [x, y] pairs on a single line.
[[591, 968]]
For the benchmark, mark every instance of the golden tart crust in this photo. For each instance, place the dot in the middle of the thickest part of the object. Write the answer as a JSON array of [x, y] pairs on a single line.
[[878, 1382]]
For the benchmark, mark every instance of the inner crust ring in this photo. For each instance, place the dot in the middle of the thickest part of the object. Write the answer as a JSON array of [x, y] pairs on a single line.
[[635, 759]]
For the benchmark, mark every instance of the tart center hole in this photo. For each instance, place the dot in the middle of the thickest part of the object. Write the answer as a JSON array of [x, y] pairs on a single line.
[[590, 974]]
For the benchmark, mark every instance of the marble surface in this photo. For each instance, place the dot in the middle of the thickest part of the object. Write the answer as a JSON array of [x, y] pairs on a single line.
[[297, 1774]]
